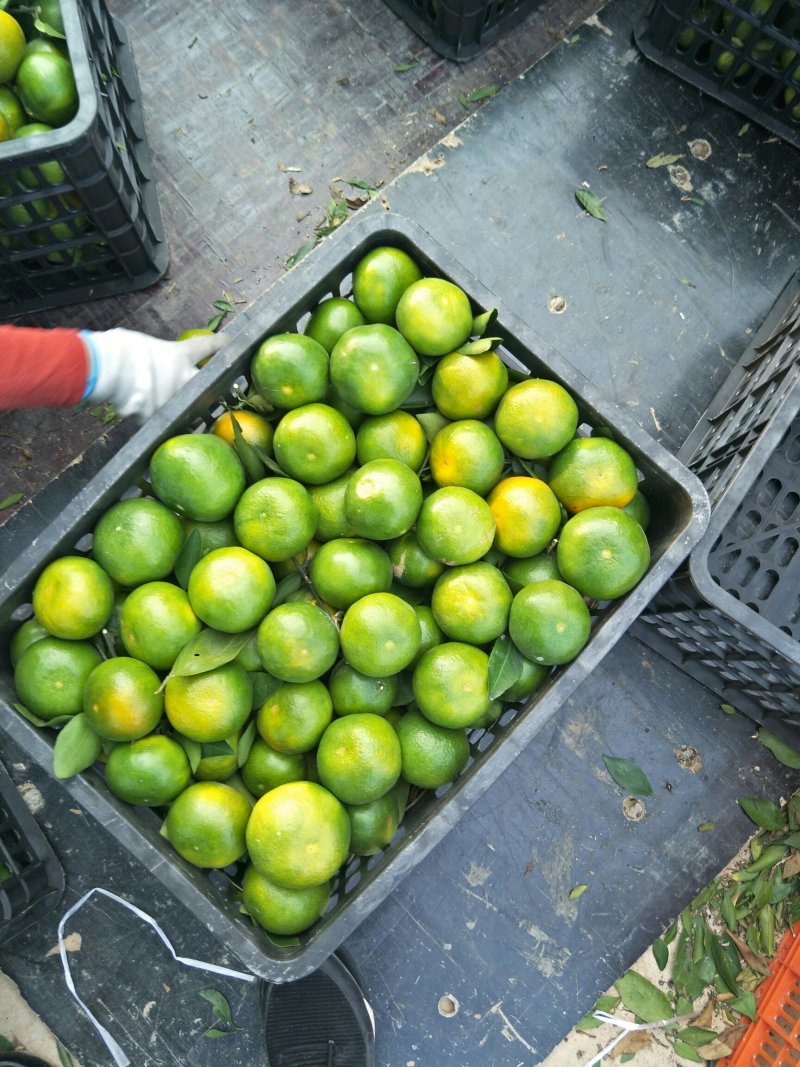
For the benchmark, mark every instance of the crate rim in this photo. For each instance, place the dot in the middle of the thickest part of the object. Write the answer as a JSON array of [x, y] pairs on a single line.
[[356, 236], [61, 137]]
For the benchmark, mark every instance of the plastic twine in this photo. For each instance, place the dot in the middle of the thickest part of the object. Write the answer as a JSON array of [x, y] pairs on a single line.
[[119, 1056], [626, 1026]]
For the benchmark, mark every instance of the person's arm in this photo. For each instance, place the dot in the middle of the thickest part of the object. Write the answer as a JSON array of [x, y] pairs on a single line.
[[132, 371], [41, 368]]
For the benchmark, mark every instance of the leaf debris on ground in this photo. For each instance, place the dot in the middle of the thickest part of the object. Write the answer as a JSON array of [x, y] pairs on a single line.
[[591, 203]]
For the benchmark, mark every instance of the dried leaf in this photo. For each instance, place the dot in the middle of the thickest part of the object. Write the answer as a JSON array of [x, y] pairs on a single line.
[[724, 1044], [631, 1043], [285, 169], [628, 775], [297, 188], [633, 809], [437, 116], [591, 203], [663, 159], [791, 866], [752, 959]]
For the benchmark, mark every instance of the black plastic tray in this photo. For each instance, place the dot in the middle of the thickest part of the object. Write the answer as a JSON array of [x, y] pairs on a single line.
[[461, 29], [747, 61], [31, 877], [731, 616], [52, 261], [680, 512]]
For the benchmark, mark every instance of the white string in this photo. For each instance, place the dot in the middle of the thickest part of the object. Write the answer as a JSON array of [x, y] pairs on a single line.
[[626, 1026], [119, 1056]]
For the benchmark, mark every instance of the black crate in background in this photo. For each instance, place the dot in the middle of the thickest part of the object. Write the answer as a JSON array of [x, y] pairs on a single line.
[[31, 878], [745, 54], [679, 507], [461, 29], [731, 616], [98, 232]]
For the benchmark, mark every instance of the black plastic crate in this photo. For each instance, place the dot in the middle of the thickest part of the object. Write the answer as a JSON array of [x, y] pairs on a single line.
[[731, 617], [679, 507], [461, 29], [98, 232], [31, 878], [746, 55]]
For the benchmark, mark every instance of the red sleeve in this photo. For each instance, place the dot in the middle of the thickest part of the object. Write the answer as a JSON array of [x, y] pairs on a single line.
[[41, 368]]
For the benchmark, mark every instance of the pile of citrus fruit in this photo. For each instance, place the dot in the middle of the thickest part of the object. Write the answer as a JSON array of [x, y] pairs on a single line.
[[385, 544], [37, 95]]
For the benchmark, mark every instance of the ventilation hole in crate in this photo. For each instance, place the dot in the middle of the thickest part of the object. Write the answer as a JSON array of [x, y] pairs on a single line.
[[764, 587], [726, 561], [767, 492], [749, 522], [788, 505], [786, 551], [792, 449], [703, 54]]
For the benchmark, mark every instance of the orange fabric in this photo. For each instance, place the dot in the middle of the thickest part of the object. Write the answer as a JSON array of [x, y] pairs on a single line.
[[41, 368]]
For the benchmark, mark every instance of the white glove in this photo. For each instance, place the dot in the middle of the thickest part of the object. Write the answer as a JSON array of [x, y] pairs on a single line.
[[138, 373]]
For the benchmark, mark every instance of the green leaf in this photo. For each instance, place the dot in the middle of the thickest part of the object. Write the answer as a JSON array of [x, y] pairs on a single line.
[[432, 422], [783, 752], [726, 961], [482, 322], [6, 1045], [64, 1057], [292, 583], [729, 709], [77, 747], [628, 775], [264, 685], [592, 203], [660, 953], [745, 1005], [359, 183], [577, 891], [224, 305], [29, 715], [606, 1003], [401, 68], [193, 750], [505, 666], [643, 998], [214, 1031], [477, 95], [214, 323], [420, 397], [253, 465], [222, 1009], [301, 253], [705, 827], [663, 159], [48, 30], [696, 1035], [11, 500], [216, 748], [209, 649], [5, 873], [479, 347], [246, 743], [763, 812], [188, 557], [686, 1052]]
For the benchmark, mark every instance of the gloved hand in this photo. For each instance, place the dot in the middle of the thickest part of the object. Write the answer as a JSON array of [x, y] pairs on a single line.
[[138, 373]]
